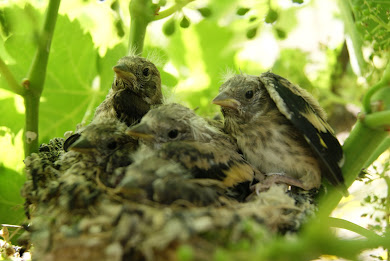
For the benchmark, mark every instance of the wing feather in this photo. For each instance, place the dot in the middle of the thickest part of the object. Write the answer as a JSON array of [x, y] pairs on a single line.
[[308, 117], [209, 161]]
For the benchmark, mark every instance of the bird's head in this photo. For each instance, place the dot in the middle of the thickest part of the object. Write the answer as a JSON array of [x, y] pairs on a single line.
[[100, 139], [172, 122], [139, 75], [242, 97]]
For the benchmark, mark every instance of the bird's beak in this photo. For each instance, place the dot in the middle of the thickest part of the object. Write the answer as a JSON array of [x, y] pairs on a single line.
[[141, 131], [122, 72], [225, 100], [70, 140], [81, 145]]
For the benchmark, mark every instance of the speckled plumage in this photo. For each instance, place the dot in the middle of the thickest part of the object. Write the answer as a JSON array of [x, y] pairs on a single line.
[[204, 156], [264, 123], [106, 141], [161, 202]]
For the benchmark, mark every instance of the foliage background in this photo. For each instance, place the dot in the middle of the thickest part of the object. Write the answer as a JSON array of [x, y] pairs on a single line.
[[316, 44]]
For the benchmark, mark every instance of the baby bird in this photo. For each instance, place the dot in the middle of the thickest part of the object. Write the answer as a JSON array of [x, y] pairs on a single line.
[[136, 89], [154, 177], [199, 156], [281, 129], [106, 141]]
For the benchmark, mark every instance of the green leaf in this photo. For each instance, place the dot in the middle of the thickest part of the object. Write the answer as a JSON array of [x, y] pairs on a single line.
[[4, 25], [104, 68], [287, 20], [242, 11], [217, 54], [21, 45], [162, 2], [292, 70], [11, 202], [371, 19], [68, 87], [271, 17], [25, 20], [70, 72], [169, 27], [13, 119], [168, 79]]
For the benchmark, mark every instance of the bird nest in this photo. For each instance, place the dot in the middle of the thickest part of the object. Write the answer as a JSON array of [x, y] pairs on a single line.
[[75, 215], [159, 182]]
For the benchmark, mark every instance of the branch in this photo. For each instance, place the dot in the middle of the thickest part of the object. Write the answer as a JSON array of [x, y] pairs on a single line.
[[362, 143], [36, 79], [385, 81], [12, 83], [142, 12], [377, 119], [171, 10], [315, 242]]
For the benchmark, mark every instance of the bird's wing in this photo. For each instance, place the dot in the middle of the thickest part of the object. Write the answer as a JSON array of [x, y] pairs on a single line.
[[308, 117], [210, 161]]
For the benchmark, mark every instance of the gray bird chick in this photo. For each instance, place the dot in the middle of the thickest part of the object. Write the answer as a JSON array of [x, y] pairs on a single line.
[[281, 129], [135, 90], [153, 177], [178, 135], [106, 141], [174, 122]]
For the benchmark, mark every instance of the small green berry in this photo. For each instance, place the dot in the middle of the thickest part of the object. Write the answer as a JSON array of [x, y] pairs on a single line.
[[271, 17], [242, 11], [251, 33], [185, 22], [205, 11], [169, 27]]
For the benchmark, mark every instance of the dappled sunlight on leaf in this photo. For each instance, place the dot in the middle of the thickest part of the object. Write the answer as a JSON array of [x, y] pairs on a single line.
[[11, 153], [70, 73]]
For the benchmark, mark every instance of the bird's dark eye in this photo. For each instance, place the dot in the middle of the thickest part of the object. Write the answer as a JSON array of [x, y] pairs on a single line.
[[172, 134], [145, 71], [249, 94], [112, 145]]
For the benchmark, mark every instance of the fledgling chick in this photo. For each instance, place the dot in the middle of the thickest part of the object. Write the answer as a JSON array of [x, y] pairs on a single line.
[[157, 178], [91, 157], [135, 90], [281, 129], [106, 141], [204, 153]]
